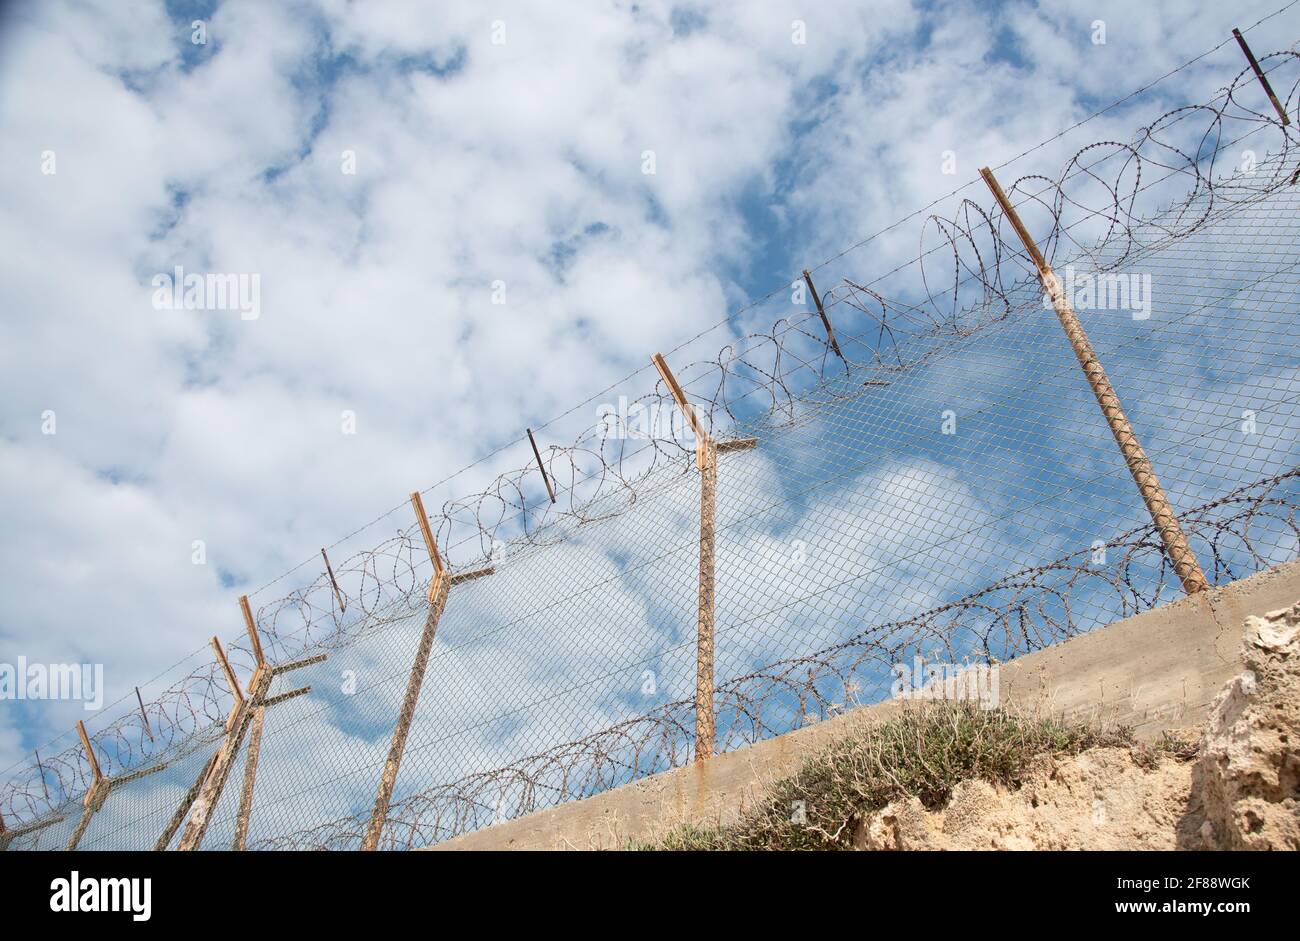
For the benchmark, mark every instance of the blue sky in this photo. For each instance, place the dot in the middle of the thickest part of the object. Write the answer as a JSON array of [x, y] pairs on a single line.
[[476, 162]]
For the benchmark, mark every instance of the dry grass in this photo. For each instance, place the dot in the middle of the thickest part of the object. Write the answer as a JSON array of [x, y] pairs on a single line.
[[923, 752]]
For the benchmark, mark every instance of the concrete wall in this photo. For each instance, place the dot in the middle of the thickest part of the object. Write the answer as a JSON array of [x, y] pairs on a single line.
[[1156, 671]]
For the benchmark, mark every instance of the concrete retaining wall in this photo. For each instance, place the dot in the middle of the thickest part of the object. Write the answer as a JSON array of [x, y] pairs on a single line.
[[1156, 671]]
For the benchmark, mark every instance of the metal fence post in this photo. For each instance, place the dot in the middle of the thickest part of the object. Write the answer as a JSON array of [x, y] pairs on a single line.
[[241, 714], [437, 602], [1171, 534]]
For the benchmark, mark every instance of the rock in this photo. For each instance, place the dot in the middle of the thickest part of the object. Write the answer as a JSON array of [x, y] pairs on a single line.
[[1272, 633], [901, 825], [1102, 799], [1246, 784]]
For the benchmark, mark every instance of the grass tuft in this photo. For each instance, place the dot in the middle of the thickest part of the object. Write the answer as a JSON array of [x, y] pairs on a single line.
[[923, 752]]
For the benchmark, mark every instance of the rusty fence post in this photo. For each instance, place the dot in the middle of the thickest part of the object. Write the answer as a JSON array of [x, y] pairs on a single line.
[[1171, 534], [237, 725], [1259, 74], [706, 727], [250, 777], [95, 794], [821, 311], [244, 817], [231, 682], [338, 592], [144, 715], [706, 459], [183, 808], [439, 587], [437, 602], [546, 478], [205, 804]]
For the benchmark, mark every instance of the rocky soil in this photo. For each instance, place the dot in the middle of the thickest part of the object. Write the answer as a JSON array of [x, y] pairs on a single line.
[[1237, 788]]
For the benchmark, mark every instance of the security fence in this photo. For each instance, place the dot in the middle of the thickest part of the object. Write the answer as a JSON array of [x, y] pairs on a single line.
[[908, 466]]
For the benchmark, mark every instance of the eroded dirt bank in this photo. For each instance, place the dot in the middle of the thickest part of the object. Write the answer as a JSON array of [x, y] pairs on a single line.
[[1235, 786]]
